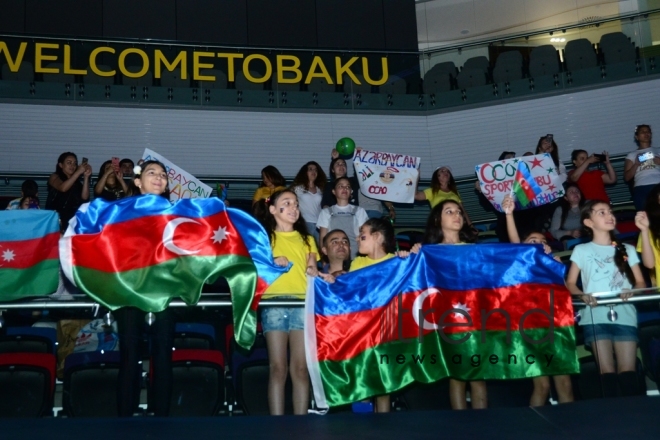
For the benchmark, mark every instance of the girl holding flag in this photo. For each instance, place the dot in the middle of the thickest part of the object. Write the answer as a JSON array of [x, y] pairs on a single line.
[[377, 243], [448, 224], [150, 178], [283, 326], [562, 382], [606, 265]]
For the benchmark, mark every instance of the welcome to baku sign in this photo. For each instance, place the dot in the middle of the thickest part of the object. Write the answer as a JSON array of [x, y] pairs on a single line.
[[496, 179]]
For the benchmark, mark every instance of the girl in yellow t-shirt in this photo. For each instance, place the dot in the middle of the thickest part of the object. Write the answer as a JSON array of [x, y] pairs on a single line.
[[283, 326], [443, 187], [648, 244], [271, 181], [376, 243]]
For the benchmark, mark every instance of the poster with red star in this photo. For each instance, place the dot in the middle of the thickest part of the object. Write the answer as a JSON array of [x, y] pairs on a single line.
[[496, 179]]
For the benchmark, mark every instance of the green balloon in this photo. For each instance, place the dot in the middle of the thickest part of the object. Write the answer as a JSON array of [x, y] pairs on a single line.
[[345, 146]]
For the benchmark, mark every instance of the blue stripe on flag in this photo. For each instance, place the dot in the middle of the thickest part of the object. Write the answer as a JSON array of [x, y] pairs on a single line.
[[462, 267], [27, 224]]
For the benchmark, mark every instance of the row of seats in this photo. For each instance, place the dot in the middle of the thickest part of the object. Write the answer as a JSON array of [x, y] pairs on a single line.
[[613, 48]]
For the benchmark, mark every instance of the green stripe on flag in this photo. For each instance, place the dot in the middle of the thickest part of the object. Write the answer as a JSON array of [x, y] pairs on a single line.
[[391, 366], [151, 288], [38, 280]]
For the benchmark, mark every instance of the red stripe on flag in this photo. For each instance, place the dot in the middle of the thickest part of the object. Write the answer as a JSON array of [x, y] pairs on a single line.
[[143, 242], [341, 337], [26, 253]]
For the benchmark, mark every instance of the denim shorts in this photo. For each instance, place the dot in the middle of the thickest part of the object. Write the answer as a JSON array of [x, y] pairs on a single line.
[[283, 319], [612, 332]]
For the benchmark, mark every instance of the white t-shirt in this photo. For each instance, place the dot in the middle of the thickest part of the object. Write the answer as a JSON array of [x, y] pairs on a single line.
[[600, 274], [310, 203], [648, 172]]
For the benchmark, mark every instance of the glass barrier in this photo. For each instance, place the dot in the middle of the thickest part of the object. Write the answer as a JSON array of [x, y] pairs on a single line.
[[591, 54]]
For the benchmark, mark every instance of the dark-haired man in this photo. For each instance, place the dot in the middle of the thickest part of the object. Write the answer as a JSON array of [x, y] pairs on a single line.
[[336, 250]]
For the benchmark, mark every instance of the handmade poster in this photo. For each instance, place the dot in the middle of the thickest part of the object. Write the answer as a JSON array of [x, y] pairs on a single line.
[[386, 176], [537, 172], [183, 185]]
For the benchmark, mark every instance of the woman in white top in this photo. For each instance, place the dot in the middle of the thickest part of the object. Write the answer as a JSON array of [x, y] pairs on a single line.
[[308, 186], [643, 166]]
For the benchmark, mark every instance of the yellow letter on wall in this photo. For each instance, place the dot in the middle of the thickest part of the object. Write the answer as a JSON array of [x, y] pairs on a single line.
[[281, 68], [39, 57], [246, 68], [197, 66], [365, 72], [14, 65], [346, 68], [92, 61], [159, 57], [122, 61], [230, 63], [67, 63], [318, 62]]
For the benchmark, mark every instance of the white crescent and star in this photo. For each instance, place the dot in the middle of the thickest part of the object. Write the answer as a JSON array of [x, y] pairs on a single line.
[[168, 236], [417, 306]]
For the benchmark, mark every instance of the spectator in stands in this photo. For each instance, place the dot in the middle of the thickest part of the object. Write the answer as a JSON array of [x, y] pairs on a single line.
[[540, 216], [643, 166], [271, 181], [110, 185], [548, 145], [592, 182], [283, 326], [338, 169], [29, 202], [150, 179], [65, 192], [443, 187], [308, 186], [377, 243], [566, 218], [541, 383], [29, 188], [648, 243], [342, 215], [336, 252], [126, 167], [373, 207], [446, 225], [605, 265]]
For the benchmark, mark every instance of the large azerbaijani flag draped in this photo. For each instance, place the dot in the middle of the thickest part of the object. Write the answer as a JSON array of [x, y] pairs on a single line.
[[144, 251], [450, 311], [29, 261]]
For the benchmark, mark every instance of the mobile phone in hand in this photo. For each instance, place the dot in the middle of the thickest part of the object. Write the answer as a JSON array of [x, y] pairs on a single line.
[[600, 157], [84, 160], [115, 164], [646, 156]]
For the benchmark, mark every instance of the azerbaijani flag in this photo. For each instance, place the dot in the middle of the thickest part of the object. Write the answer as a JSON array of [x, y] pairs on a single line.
[[143, 251], [524, 186], [466, 312], [29, 261]]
